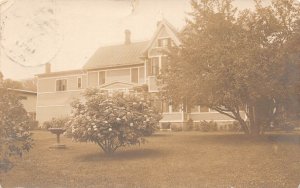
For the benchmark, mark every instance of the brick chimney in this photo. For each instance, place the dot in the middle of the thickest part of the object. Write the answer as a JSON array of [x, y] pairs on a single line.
[[127, 36], [47, 68]]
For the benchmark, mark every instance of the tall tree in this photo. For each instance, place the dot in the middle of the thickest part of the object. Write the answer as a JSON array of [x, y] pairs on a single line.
[[9, 83], [234, 61], [30, 84], [14, 128]]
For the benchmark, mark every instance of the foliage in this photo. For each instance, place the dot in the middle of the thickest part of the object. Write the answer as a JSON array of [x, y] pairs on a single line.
[[236, 61], [33, 125], [8, 83], [234, 127], [176, 127], [56, 123], [61, 122], [189, 125], [112, 121], [15, 137], [28, 84], [208, 126]]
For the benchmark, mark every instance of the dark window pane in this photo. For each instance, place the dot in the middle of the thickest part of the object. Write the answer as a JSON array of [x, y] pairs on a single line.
[[154, 66], [101, 78], [61, 85], [79, 83], [134, 75]]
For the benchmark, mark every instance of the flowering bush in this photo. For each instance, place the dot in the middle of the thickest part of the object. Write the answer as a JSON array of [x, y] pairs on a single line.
[[14, 129], [56, 123], [112, 121]]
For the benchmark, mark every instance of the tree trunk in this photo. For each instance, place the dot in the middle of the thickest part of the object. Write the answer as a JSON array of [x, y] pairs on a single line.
[[254, 124], [244, 126]]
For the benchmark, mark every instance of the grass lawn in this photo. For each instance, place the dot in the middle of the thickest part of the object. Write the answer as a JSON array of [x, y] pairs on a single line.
[[169, 159]]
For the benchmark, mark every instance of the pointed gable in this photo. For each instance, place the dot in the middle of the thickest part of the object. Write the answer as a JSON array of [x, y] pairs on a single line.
[[164, 31]]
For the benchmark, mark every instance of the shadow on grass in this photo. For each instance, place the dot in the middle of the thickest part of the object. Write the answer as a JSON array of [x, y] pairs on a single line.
[[283, 138], [240, 139], [121, 155]]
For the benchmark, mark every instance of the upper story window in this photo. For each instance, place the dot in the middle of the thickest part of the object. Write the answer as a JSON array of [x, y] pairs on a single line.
[[61, 85], [153, 66], [135, 75], [79, 83], [102, 77], [164, 63], [164, 42]]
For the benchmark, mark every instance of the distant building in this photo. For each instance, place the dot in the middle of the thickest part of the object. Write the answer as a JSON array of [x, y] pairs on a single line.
[[28, 99], [119, 68]]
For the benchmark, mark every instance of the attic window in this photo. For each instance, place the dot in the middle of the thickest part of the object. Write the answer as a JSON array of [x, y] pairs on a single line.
[[164, 42]]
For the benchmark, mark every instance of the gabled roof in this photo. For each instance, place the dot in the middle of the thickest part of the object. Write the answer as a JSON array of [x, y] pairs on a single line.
[[171, 31], [118, 55]]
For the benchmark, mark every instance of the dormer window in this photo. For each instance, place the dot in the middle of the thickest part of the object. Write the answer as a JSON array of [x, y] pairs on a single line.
[[164, 42]]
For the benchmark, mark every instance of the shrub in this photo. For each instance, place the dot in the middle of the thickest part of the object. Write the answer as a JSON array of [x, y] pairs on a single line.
[[208, 126], [189, 125], [15, 137], [166, 125], [176, 127], [196, 126], [112, 121], [56, 123], [61, 122], [33, 125], [234, 127]]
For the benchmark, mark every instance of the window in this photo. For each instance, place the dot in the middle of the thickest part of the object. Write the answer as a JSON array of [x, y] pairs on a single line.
[[101, 77], [154, 66], [79, 83], [164, 63], [135, 75], [61, 85], [164, 42], [165, 106], [141, 75]]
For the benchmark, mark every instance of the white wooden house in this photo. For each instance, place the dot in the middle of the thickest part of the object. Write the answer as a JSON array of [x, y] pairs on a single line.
[[119, 67]]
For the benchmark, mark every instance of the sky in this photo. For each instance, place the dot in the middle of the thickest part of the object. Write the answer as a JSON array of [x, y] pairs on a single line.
[[66, 33]]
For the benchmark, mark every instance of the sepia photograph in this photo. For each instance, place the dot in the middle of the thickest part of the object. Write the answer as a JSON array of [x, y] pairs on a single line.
[[149, 93]]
